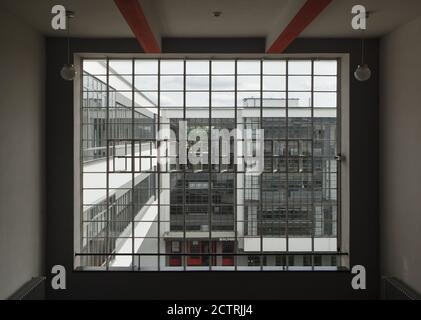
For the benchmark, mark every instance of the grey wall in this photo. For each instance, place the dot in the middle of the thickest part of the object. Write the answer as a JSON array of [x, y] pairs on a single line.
[[400, 154], [22, 148], [364, 236]]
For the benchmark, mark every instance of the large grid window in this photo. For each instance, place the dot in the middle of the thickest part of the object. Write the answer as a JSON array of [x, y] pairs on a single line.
[[146, 206]]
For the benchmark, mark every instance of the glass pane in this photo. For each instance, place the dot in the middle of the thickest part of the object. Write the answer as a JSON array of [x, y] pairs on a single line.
[[298, 67], [248, 67], [121, 67], [223, 67], [197, 83], [95, 67], [197, 67], [197, 99], [146, 66], [120, 82], [172, 67], [327, 100], [274, 99], [172, 99], [223, 83], [325, 67], [248, 83], [223, 99], [299, 83], [274, 83], [274, 67], [248, 99], [172, 83], [146, 82], [299, 99], [325, 84]]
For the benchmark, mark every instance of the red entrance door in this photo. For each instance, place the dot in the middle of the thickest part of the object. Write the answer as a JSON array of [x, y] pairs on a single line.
[[201, 248], [227, 247]]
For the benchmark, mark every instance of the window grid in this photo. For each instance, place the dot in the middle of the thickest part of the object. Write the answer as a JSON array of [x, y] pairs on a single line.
[[108, 127]]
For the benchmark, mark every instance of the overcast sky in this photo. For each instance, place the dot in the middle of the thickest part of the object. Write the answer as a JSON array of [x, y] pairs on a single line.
[[274, 81]]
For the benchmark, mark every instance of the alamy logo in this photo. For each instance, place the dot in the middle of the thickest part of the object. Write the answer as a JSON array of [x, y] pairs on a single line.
[[243, 147], [359, 280], [58, 282], [59, 20], [359, 21]]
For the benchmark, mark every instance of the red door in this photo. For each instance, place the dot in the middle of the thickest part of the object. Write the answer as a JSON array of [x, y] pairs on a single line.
[[175, 247], [201, 248], [227, 247], [194, 247]]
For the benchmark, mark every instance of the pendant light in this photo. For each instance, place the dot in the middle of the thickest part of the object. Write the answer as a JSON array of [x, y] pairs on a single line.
[[68, 72], [363, 72]]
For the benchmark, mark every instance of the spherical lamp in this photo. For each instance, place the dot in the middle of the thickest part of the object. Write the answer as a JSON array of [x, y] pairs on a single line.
[[362, 73]]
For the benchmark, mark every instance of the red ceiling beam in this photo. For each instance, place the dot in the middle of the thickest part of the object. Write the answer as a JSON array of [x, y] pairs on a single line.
[[310, 10], [135, 18]]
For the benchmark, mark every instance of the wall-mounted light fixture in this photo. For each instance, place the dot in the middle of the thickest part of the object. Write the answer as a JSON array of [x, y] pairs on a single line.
[[68, 72], [363, 72]]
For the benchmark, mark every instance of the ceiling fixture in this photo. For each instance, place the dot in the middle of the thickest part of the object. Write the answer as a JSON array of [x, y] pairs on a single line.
[[217, 14], [363, 72], [68, 72]]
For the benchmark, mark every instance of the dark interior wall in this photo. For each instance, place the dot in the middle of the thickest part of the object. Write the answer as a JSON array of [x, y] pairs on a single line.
[[22, 163], [364, 231], [400, 150], [213, 45]]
